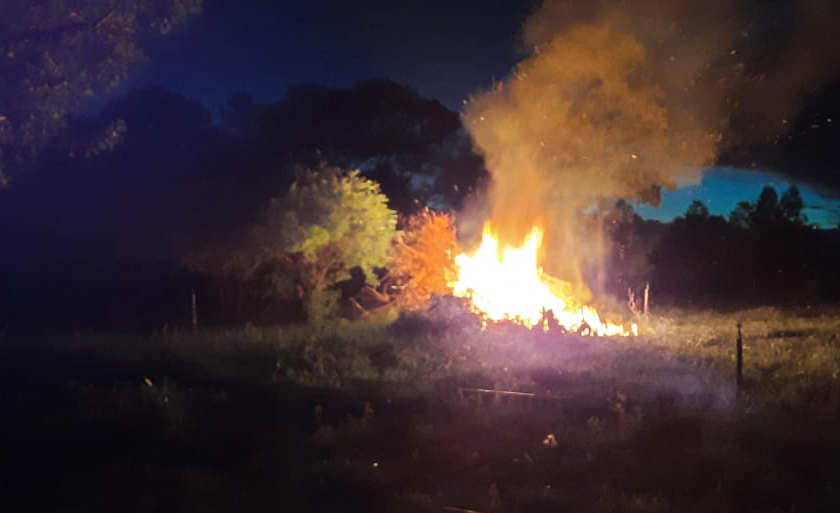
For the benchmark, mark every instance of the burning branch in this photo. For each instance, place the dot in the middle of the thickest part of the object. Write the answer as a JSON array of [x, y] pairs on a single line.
[[508, 283]]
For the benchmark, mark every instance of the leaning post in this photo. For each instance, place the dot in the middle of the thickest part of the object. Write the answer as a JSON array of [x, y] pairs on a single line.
[[739, 361], [194, 312]]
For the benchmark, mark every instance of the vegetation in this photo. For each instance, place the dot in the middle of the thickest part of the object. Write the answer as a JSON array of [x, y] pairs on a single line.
[[56, 54], [212, 189], [217, 223], [416, 148], [308, 242], [359, 417], [765, 253], [423, 265], [335, 223], [121, 229]]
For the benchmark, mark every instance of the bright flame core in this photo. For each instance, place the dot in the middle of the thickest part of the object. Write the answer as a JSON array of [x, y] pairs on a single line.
[[512, 285]]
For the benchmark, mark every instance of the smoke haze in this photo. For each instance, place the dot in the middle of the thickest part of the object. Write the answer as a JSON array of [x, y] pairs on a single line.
[[619, 99]]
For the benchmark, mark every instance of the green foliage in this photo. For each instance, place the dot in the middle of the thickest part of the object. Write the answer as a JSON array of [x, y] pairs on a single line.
[[54, 54], [329, 209], [332, 227], [335, 222]]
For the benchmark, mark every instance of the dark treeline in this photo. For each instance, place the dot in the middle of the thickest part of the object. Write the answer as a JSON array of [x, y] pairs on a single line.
[[764, 253], [101, 228]]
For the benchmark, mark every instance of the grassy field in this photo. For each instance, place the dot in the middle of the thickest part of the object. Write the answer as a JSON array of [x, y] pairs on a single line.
[[361, 417]]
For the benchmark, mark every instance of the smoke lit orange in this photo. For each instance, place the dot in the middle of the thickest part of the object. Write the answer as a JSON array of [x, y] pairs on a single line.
[[511, 285]]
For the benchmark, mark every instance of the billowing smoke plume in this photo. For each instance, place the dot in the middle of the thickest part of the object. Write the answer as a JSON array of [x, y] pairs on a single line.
[[619, 99]]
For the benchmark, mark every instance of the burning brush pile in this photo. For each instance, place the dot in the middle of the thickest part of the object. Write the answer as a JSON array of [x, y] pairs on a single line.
[[615, 100], [509, 284], [497, 283], [578, 125]]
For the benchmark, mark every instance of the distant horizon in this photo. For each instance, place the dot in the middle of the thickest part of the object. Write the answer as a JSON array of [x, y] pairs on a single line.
[[722, 188]]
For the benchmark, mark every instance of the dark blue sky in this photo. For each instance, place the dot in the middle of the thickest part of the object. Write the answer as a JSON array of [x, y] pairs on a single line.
[[446, 50]]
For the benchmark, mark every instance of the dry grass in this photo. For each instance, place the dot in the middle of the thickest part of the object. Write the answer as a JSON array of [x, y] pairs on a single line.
[[361, 417]]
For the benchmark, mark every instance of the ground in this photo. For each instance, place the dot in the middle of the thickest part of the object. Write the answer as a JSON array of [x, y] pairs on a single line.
[[362, 417]]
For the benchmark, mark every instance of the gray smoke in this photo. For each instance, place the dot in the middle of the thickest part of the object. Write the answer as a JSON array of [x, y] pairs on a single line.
[[620, 99]]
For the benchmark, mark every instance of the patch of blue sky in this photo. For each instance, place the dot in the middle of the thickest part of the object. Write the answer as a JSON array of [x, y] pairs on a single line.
[[721, 189]]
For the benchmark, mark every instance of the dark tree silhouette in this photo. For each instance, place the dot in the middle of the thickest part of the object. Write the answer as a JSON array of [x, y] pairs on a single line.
[[769, 212], [791, 206], [631, 238], [118, 217], [766, 213], [697, 211], [414, 147], [766, 253], [55, 54], [691, 256], [741, 217]]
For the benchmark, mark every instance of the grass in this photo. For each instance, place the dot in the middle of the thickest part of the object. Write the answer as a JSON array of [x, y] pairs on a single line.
[[366, 417]]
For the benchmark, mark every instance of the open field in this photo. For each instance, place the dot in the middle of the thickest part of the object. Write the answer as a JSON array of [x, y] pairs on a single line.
[[359, 417]]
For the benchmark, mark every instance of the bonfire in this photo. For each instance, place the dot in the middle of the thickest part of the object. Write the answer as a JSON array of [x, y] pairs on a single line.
[[509, 284]]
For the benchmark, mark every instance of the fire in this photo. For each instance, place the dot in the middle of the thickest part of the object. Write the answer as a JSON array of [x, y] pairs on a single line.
[[511, 285]]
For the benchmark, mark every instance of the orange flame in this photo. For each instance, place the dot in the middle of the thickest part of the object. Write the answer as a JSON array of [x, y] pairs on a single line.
[[511, 285]]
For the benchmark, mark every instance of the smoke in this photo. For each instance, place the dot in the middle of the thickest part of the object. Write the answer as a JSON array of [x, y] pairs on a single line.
[[620, 99]]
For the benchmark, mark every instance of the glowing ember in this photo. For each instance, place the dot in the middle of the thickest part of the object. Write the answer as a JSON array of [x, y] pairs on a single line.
[[511, 285]]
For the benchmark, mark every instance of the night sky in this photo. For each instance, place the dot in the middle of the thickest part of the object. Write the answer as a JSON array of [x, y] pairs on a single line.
[[445, 50]]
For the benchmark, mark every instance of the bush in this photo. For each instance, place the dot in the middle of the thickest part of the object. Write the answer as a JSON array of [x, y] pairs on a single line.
[[423, 263]]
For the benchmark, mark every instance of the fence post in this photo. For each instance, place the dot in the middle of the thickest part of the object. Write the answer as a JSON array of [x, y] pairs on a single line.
[[194, 313], [739, 361]]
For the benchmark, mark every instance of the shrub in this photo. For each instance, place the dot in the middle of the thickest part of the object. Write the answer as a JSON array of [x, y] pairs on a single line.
[[423, 264]]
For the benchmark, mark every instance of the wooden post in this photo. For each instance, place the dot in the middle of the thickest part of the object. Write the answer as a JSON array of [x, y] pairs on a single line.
[[194, 313], [647, 294], [631, 301], [739, 361]]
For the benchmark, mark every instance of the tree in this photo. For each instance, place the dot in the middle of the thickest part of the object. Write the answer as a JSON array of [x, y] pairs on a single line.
[[330, 228], [791, 206], [693, 260], [424, 259], [742, 216], [769, 212], [329, 223], [54, 54], [626, 265], [697, 210], [414, 147], [766, 213]]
